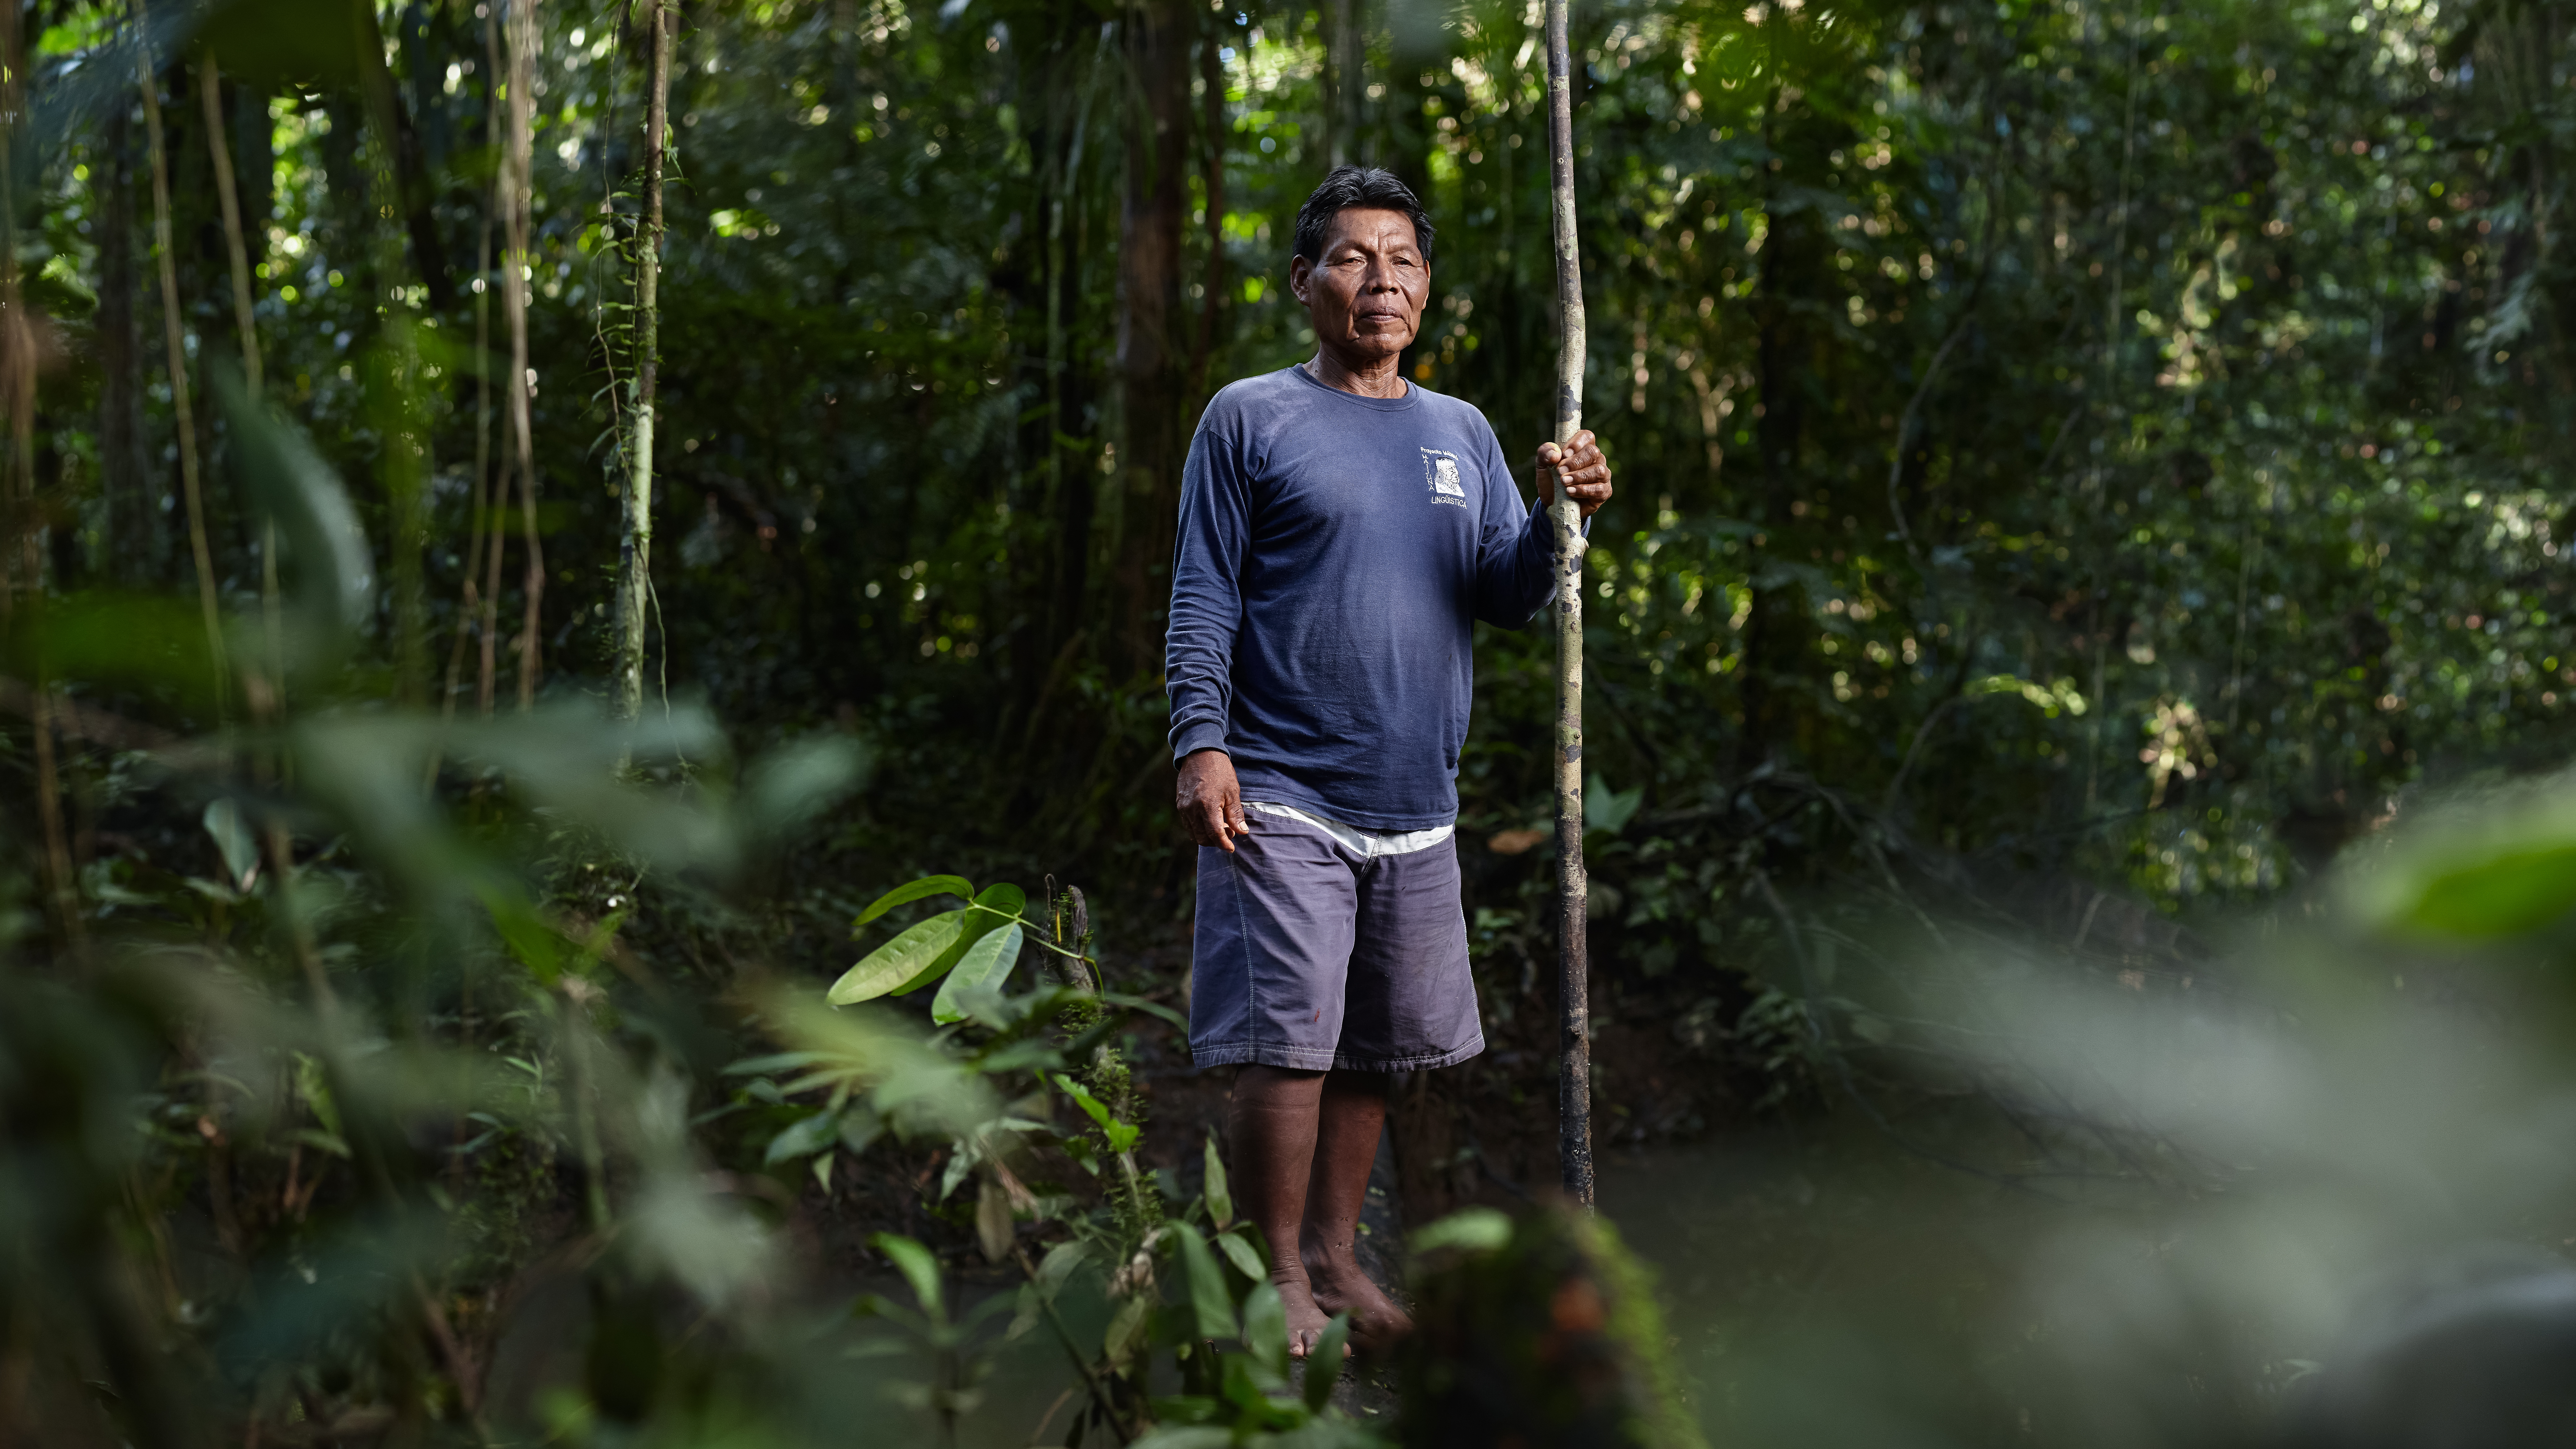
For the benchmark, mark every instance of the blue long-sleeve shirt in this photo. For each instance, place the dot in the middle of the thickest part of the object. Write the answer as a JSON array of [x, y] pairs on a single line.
[[1335, 553]]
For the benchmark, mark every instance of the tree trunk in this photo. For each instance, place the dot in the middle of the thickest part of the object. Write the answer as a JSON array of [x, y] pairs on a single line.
[[393, 376], [131, 541], [474, 605], [1574, 993], [1072, 483], [237, 250], [519, 169], [635, 553], [175, 339], [265, 687], [1149, 374], [1344, 49], [1212, 168]]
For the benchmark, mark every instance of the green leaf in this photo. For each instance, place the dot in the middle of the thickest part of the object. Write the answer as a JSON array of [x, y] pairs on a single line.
[[1211, 1303], [1120, 1134], [1608, 810], [1186, 1436], [233, 841], [1265, 1332], [1475, 1229], [1220, 1201], [1324, 1364], [1245, 1257], [899, 961], [803, 1138], [1003, 899], [1126, 1331], [2504, 895], [1150, 1008], [981, 969], [997, 907], [1058, 1265], [917, 1266], [929, 885]]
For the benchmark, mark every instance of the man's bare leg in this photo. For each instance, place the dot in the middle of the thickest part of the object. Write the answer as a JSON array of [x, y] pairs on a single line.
[[1274, 1128], [1353, 1113]]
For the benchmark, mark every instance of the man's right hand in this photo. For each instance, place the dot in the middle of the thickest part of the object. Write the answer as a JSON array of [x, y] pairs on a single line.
[[1210, 802]]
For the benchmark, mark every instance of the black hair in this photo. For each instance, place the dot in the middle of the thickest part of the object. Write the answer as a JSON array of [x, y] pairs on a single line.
[[1357, 187]]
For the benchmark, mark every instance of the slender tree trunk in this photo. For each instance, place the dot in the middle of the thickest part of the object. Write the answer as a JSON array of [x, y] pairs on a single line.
[[474, 607], [264, 688], [1342, 49], [404, 464], [1574, 979], [1212, 168], [1149, 275], [174, 337], [26, 561], [1071, 486], [635, 555], [519, 169], [132, 535], [237, 249], [496, 545]]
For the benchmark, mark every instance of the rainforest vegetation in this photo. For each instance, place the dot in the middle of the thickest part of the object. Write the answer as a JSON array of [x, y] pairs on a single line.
[[527, 525]]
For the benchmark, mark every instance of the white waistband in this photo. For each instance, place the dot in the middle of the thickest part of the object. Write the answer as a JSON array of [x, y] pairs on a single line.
[[1366, 844]]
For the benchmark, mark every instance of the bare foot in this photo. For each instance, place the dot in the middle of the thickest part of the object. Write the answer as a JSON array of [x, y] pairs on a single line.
[[1335, 1288], [1306, 1321]]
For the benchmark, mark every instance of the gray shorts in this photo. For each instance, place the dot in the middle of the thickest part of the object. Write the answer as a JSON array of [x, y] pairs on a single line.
[[1315, 955]]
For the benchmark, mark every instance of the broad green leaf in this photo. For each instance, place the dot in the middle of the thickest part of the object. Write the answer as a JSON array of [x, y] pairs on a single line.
[[899, 961], [997, 907], [993, 1220], [1608, 810], [1265, 1332], [1058, 1265], [524, 930], [775, 1062], [1245, 1257], [2504, 895], [803, 1138], [233, 841], [1186, 1436], [1475, 1229], [1126, 1331], [929, 885], [1220, 1200], [1150, 1008], [1211, 1304], [917, 1266], [1004, 900], [1324, 1364], [982, 968], [860, 1127]]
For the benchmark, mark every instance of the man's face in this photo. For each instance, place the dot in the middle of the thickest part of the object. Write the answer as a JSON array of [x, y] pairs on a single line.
[[1366, 295]]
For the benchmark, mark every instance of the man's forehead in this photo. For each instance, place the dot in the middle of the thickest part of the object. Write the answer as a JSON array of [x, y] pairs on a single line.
[[1368, 225]]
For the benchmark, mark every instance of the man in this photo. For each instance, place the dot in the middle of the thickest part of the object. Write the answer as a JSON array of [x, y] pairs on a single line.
[[1341, 531]]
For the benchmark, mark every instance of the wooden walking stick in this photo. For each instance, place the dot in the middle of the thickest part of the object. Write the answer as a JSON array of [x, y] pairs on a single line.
[[1574, 969]]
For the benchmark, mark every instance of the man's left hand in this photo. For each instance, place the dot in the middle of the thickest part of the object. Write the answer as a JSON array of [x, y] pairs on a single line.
[[1579, 463]]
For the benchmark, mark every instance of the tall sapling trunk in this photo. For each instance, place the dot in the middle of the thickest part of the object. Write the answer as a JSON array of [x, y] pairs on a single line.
[[174, 336], [1574, 972], [635, 550]]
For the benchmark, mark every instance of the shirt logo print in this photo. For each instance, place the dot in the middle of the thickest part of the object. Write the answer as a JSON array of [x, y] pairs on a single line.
[[1441, 469]]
